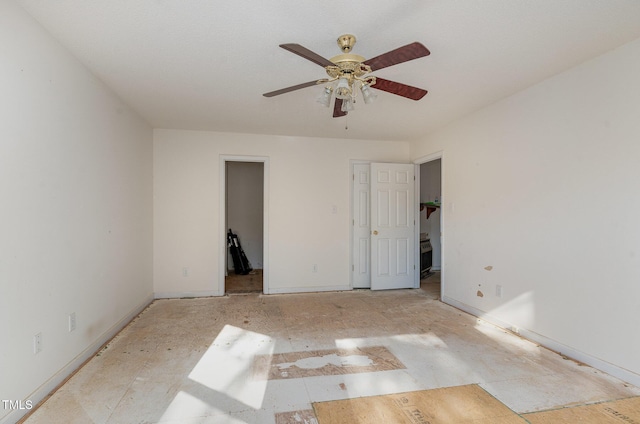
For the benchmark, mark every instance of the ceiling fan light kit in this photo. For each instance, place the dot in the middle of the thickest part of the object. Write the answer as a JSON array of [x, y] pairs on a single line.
[[325, 97], [347, 105], [344, 89], [368, 95], [349, 73]]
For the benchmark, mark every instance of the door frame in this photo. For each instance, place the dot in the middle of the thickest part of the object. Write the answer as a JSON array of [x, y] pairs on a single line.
[[222, 257], [419, 161]]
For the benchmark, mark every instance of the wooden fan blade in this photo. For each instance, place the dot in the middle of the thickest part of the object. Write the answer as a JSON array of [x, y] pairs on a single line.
[[337, 109], [399, 89], [307, 54], [399, 55], [292, 88]]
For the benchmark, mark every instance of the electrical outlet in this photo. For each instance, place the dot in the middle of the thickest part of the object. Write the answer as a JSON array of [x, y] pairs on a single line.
[[185, 272], [72, 321], [498, 290], [37, 343], [315, 267]]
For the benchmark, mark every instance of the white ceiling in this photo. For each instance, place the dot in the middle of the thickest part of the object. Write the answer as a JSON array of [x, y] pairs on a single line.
[[204, 64]]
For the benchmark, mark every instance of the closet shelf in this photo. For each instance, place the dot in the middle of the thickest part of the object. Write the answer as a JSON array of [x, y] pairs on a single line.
[[431, 207]]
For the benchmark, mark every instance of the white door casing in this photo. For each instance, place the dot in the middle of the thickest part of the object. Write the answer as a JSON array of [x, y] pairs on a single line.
[[222, 257], [392, 226]]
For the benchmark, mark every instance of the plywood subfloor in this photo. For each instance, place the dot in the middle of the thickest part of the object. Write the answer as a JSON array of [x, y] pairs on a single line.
[[616, 412], [461, 404], [431, 285], [249, 283]]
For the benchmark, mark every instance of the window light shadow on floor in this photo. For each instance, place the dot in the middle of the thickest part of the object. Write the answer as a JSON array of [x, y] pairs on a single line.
[[521, 310], [224, 373]]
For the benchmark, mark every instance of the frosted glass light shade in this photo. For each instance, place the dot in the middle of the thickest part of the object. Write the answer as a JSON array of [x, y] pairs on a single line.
[[325, 98], [347, 105], [368, 95], [343, 91]]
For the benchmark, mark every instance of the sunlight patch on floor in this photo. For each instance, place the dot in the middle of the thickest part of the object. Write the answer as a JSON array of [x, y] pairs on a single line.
[[226, 367], [521, 309], [186, 402]]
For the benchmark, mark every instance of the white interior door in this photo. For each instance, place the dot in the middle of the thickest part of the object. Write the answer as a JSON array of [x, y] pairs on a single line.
[[361, 259], [392, 226]]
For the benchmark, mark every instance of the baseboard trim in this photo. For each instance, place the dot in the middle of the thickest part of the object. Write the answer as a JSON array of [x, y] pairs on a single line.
[[190, 294], [308, 289], [180, 295], [599, 364], [48, 387]]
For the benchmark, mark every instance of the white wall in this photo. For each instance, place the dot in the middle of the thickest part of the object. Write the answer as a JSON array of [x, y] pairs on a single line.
[[245, 207], [430, 191], [543, 187], [307, 177], [75, 220]]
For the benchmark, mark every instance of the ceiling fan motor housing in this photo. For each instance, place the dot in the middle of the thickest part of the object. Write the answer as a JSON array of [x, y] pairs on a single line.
[[347, 65]]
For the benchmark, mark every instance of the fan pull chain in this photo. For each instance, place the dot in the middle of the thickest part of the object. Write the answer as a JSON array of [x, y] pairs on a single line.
[[346, 122]]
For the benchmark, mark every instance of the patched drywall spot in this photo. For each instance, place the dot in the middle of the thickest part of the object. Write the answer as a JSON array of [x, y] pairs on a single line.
[[488, 268]]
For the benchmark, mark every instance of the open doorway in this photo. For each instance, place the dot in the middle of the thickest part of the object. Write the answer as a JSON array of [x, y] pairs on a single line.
[[245, 218], [430, 250]]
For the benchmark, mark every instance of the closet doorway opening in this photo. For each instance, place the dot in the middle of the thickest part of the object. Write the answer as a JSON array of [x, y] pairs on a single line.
[[245, 225], [430, 224]]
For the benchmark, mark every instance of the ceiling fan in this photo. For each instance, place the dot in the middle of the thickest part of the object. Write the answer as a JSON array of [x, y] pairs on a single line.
[[349, 72]]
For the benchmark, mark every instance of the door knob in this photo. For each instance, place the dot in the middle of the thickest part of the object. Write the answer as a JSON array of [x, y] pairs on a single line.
[[375, 232]]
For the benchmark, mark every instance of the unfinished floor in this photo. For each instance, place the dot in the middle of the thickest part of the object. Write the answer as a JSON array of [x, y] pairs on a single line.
[[248, 283], [266, 359]]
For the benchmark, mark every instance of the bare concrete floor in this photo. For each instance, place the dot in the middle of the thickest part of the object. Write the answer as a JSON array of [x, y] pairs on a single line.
[[265, 359]]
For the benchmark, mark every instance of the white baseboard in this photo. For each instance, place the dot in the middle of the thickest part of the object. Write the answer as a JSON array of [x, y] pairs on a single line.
[[308, 289], [50, 385], [179, 295], [604, 366]]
